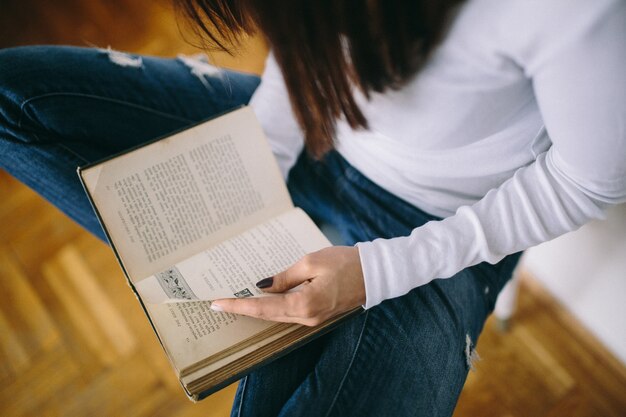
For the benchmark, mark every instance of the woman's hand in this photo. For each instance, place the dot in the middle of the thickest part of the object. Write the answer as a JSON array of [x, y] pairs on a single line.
[[331, 283]]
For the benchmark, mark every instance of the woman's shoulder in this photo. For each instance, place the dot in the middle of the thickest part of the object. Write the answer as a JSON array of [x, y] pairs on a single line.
[[525, 29], [541, 11]]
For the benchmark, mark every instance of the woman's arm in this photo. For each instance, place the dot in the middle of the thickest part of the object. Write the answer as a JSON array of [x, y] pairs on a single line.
[[271, 104], [578, 71], [577, 63]]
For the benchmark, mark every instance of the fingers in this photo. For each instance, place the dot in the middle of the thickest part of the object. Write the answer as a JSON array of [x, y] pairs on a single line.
[[287, 308], [329, 282], [298, 273], [253, 307]]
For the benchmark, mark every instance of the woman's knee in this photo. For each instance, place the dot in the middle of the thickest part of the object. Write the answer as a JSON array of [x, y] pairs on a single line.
[[47, 92], [12, 67], [24, 72], [24, 68]]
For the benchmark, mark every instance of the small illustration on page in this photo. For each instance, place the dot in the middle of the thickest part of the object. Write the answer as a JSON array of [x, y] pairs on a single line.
[[243, 293], [174, 284]]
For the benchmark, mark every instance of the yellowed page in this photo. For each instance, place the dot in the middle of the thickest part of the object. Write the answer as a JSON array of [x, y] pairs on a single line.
[[191, 332], [171, 199], [175, 197], [237, 356], [231, 268]]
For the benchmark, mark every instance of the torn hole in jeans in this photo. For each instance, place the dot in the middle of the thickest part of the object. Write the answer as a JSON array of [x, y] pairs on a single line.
[[471, 356], [201, 68], [122, 58]]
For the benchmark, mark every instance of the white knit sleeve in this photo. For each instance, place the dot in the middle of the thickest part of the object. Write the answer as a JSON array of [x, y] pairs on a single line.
[[271, 105], [579, 80]]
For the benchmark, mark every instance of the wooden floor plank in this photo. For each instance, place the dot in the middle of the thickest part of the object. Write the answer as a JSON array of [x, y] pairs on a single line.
[[219, 406], [558, 380], [133, 380], [23, 305], [543, 365], [595, 369], [36, 388], [107, 316], [99, 257], [86, 327], [13, 354]]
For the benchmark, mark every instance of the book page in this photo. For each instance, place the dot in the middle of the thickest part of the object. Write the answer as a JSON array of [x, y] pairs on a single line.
[[191, 332], [231, 268], [177, 196]]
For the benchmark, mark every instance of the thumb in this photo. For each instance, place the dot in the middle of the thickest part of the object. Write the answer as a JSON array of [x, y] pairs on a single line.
[[288, 279]]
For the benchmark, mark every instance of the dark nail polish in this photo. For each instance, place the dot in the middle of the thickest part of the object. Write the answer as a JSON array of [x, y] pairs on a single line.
[[265, 283]]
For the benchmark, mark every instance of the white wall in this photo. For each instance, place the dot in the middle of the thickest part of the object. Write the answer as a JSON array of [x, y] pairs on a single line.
[[586, 271]]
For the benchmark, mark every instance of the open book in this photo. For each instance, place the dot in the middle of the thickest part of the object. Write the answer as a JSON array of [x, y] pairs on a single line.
[[196, 216]]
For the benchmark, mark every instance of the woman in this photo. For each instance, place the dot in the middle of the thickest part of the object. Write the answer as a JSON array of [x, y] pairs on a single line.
[[441, 139]]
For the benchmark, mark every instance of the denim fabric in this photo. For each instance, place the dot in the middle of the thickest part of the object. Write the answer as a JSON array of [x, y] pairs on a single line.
[[62, 107], [406, 357]]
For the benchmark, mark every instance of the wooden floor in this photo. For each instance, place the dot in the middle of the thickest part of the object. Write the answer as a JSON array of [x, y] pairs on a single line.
[[74, 342]]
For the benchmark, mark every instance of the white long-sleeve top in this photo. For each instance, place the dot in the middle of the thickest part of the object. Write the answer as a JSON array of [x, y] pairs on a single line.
[[514, 132]]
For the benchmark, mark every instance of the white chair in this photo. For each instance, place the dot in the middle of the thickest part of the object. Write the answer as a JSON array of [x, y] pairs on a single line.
[[506, 302]]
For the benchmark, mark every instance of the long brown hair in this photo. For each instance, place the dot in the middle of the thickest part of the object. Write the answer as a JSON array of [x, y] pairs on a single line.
[[326, 48]]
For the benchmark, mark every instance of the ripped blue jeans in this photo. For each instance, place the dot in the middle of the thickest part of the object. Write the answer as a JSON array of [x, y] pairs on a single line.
[[61, 107]]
